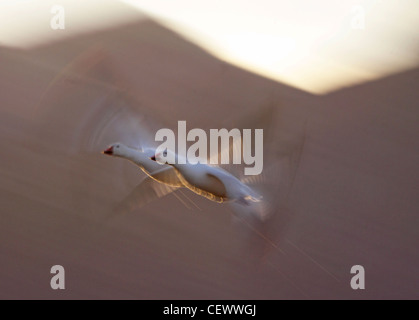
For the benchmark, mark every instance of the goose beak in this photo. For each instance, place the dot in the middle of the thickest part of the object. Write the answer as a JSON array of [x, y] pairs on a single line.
[[108, 151]]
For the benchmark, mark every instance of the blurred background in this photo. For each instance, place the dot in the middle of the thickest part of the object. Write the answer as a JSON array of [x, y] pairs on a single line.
[[335, 85]]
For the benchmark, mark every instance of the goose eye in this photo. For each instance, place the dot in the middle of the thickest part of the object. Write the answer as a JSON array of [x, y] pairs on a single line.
[[117, 146], [165, 153]]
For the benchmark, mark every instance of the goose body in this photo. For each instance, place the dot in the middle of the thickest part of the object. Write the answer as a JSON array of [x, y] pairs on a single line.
[[218, 185]]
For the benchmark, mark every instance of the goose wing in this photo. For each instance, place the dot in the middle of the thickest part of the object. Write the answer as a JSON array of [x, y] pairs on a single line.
[[145, 192]]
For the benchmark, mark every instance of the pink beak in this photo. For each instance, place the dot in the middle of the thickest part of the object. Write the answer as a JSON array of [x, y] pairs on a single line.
[[108, 151]]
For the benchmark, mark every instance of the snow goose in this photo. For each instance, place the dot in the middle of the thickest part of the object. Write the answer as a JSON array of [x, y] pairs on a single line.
[[216, 184]]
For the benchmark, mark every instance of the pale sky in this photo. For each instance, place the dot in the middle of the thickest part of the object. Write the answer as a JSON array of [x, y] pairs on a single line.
[[317, 46]]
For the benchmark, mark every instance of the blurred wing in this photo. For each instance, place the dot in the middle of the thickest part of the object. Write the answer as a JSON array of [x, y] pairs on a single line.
[[92, 102], [262, 224], [276, 181], [114, 118], [168, 176], [90, 98], [146, 191], [264, 118]]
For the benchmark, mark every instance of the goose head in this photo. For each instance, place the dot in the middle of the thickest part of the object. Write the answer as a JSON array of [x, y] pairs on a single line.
[[165, 157], [117, 150]]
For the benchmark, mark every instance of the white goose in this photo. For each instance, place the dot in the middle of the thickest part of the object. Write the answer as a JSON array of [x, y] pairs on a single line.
[[216, 184]]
